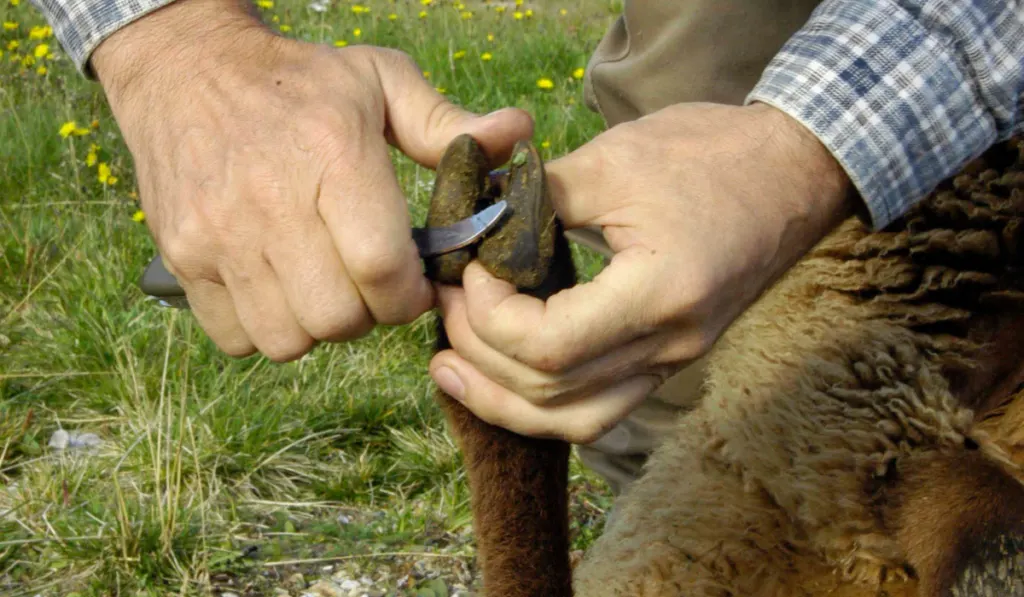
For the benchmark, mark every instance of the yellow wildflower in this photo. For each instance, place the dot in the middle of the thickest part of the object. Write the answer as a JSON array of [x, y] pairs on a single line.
[[28, 61], [103, 173], [458, 55], [360, 9], [423, 14], [545, 144], [578, 73], [139, 216], [340, 43], [466, 15], [486, 56], [441, 89], [13, 45], [71, 128], [10, 26], [40, 32], [563, 12], [392, 17], [499, 9], [275, 19], [517, 15], [15, 2], [490, 37], [91, 158], [426, 74], [545, 83], [459, 6], [529, 12], [265, 4], [357, 32], [286, 28], [41, 71], [41, 50], [519, 2], [426, 2]]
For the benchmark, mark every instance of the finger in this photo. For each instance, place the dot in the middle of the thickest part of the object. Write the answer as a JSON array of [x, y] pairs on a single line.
[[539, 387], [581, 421], [573, 326], [368, 220], [211, 303], [264, 313], [324, 300], [422, 122]]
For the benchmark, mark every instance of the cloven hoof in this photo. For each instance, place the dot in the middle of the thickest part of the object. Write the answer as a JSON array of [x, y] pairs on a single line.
[[520, 249]]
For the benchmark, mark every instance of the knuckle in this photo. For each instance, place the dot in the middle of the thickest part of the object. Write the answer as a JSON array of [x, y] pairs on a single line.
[[237, 347], [180, 252], [283, 351], [339, 325], [376, 265]]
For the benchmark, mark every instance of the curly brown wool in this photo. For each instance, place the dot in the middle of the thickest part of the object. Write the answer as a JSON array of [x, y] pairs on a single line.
[[862, 431]]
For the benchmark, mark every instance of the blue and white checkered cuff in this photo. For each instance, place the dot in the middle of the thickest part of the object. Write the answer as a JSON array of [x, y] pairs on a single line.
[[902, 92], [80, 25]]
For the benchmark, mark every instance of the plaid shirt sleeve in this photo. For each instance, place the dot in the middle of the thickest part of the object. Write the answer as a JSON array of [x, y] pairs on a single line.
[[903, 92], [80, 25]]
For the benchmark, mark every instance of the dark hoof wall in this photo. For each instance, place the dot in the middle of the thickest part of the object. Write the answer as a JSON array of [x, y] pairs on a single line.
[[521, 248]]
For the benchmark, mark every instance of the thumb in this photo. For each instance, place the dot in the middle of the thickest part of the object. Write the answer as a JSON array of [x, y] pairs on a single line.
[[422, 122], [579, 187]]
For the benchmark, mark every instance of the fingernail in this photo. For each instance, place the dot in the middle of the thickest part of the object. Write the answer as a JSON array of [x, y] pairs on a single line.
[[449, 383]]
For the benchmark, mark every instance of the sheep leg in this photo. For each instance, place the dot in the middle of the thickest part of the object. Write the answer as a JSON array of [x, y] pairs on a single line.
[[518, 484]]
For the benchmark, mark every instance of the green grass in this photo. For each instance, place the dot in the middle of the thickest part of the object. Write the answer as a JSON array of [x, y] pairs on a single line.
[[214, 470]]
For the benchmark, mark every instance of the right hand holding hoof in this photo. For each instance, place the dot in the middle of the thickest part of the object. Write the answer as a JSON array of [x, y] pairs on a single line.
[[263, 168]]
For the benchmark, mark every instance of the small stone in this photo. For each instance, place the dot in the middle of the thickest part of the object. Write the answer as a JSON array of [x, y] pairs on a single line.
[[228, 594], [84, 440], [73, 440], [350, 585], [296, 581], [59, 440], [279, 592], [326, 588]]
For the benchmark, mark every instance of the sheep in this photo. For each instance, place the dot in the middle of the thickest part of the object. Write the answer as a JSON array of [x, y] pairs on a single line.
[[860, 433]]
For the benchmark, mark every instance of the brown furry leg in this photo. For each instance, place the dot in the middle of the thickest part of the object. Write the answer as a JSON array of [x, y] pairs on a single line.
[[519, 484], [519, 507]]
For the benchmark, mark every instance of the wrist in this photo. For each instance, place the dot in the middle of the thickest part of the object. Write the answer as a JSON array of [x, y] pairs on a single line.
[[822, 193], [185, 37]]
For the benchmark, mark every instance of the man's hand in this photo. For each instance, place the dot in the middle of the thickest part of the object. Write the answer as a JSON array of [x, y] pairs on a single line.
[[703, 205], [264, 171]]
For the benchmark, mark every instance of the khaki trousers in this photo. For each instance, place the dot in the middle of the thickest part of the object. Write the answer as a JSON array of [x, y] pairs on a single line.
[[658, 53]]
